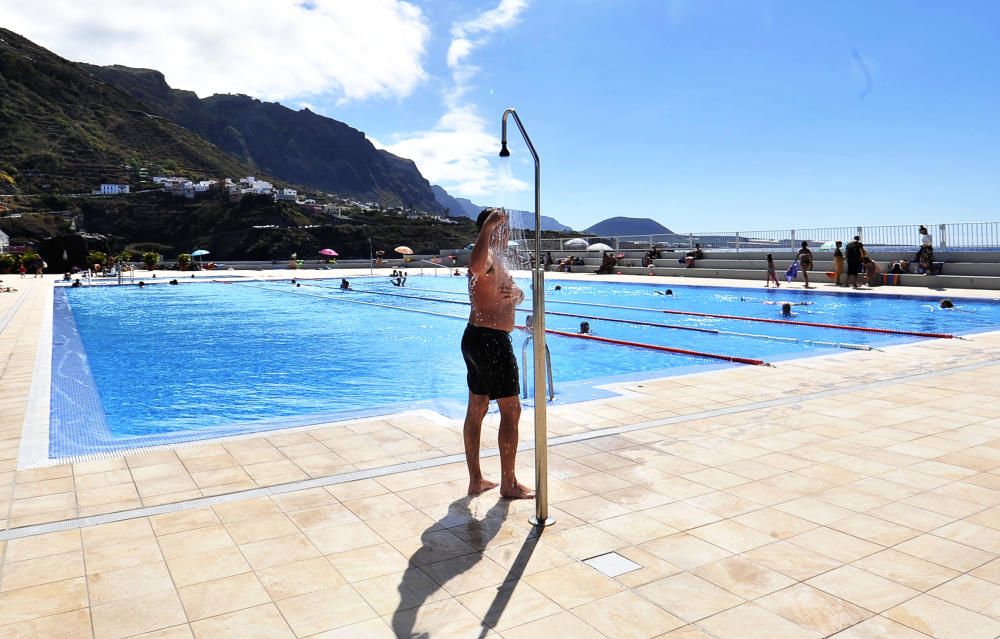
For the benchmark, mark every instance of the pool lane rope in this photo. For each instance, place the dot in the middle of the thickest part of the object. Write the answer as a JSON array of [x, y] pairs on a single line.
[[845, 327], [696, 329], [606, 340]]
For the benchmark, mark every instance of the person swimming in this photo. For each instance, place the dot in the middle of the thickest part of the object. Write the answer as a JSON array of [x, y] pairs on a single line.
[[946, 303], [557, 288], [344, 284], [667, 292], [585, 328], [786, 310]]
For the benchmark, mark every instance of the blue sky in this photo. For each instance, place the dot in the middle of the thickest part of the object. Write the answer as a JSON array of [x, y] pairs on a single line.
[[704, 115]]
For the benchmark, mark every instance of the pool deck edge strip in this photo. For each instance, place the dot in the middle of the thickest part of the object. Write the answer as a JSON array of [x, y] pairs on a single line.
[[12, 311], [332, 480], [34, 445]]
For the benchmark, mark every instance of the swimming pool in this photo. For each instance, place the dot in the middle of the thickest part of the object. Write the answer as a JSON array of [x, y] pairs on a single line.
[[165, 364]]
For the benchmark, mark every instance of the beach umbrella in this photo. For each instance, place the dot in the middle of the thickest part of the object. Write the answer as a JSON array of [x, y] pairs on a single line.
[[198, 254], [404, 250], [599, 247], [329, 252], [577, 242]]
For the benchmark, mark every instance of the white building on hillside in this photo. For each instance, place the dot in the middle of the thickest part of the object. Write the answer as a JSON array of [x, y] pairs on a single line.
[[289, 195], [113, 189]]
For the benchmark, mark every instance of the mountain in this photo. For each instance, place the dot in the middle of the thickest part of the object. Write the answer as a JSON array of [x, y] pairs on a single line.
[[461, 207], [456, 206], [628, 226], [61, 130], [299, 146]]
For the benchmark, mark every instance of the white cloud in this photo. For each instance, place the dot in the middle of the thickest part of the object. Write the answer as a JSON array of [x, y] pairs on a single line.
[[271, 49], [456, 152]]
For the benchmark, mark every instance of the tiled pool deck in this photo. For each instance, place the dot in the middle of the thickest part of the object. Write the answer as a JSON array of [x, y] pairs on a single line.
[[855, 495]]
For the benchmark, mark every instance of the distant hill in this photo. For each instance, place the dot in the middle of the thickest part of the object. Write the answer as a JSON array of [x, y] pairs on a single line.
[[461, 207], [61, 130], [299, 146], [628, 226]]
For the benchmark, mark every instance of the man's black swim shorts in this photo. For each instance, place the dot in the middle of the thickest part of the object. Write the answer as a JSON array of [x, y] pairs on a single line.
[[489, 359]]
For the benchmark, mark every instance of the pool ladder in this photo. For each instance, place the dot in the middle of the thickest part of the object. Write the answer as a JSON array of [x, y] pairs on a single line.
[[524, 369]]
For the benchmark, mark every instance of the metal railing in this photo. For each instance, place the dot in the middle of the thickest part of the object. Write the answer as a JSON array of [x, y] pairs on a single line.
[[971, 236]]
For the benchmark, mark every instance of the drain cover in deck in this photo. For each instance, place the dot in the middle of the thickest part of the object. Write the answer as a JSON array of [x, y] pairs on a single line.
[[612, 564]]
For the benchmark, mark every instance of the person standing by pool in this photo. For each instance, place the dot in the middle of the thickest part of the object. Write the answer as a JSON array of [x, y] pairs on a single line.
[[489, 356], [805, 258], [772, 275], [853, 253], [838, 263]]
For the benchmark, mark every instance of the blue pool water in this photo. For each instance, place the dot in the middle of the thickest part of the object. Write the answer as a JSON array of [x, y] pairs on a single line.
[[165, 364]]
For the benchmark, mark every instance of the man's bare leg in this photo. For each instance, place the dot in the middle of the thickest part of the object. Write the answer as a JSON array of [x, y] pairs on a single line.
[[474, 414], [510, 415]]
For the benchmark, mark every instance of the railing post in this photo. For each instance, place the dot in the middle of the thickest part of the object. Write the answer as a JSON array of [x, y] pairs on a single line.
[[737, 241], [942, 236]]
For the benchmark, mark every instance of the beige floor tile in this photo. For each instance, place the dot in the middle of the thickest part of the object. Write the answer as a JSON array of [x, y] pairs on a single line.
[[432, 547], [906, 569], [879, 628], [635, 528], [353, 490], [989, 572], [814, 609], [197, 541], [583, 542], [123, 555], [43, 545], [910, 516], [682, 516], [300, 578], [343, 537], [689, 597], [773, 522], [562, 624], [246, 509], [751, 622], [863, 588], [528, 557], [401, 591], [43, 570], [508, 605], [127, 583], [324, 610], [378, 506], [732, 536], [371, 561], [628, 616], [972, 594], [743, 577], [404, 525], [33, 602], [814, 510], [207, 566], [838, 545], [467, 573], [593, 508], [371, 629], [875, 530], [573, 585], [945, 552], [67, 625], [182, 521], [211, 598], [943, 620], [260, 622], [138, 615], [653, 568], [248, 531], [278, 551], [635, 497], [116, 533], [685, 551], [971, 534]]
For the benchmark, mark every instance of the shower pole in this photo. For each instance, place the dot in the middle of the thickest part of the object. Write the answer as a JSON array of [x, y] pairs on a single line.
[[541, 517]]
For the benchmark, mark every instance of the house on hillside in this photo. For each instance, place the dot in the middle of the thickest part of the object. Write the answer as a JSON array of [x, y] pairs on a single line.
[[252, 185], [113, 189], [287, 195]]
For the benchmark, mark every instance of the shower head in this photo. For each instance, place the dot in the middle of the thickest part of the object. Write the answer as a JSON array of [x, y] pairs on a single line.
[[504, 153]]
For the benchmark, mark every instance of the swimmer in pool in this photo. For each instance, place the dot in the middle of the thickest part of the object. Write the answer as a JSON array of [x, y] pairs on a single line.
[[585, 328]]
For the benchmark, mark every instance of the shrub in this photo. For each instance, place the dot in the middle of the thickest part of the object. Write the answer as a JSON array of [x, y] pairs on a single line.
[[150, 259], [184, 261]]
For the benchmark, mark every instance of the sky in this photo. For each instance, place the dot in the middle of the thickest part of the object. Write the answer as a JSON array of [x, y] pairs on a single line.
[[705, 115]]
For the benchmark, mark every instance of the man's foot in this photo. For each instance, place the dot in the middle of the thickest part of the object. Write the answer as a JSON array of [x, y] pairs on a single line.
[[480, 486], [517, 491]]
